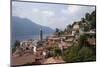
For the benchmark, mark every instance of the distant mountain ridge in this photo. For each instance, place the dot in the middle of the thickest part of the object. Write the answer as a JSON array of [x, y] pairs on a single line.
[[23, 26]]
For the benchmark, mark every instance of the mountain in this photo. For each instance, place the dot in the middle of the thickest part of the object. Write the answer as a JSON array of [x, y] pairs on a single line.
[[23, 26]]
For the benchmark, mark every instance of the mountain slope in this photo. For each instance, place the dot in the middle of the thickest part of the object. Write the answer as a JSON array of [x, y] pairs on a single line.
[[24, 26]]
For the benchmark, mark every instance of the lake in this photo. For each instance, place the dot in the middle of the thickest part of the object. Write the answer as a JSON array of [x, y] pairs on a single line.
[[27, 37]]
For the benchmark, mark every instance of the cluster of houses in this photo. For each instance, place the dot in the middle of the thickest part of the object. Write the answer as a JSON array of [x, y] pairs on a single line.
[[41, 49]]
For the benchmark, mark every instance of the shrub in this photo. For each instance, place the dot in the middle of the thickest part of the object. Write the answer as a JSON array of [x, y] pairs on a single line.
[[77, 54], [85, 54], [16, 45], [57, 52], [71, 54]]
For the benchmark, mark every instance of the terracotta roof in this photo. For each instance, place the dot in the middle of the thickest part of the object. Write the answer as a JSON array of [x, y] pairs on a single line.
[[22, 60], [52, 60], [40, 49]]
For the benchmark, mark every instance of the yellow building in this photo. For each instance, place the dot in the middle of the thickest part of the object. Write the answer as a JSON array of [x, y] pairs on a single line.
[[76, 27]]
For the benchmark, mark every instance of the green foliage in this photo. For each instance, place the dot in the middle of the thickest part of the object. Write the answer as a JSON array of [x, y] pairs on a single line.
[[17, 43], [57, 32], [79, 55], [83, 20], [13, 50], [71, 54], [88, 22], [91, 19], [87, 16], [57, 51], [69, 26], [79, 51], [74, 23], [82, 40], [85, 53]]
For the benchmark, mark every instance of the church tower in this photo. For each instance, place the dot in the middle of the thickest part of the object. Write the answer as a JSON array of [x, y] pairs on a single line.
[[41, 34]]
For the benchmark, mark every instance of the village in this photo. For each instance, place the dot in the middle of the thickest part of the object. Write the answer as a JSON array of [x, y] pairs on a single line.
[[44, 51]]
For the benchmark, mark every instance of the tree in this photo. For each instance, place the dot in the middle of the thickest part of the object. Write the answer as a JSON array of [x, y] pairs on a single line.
[[71, 55], [83, 20], [57, 32], [82, 40], [57, 52], [17, 43], [69, 26], [90, 19], [65, 30], [74, 23], [81, 51], [93, 20], [77, 54], [85, 53], [87, 16]]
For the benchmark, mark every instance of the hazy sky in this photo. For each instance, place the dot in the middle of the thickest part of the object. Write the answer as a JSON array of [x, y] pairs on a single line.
[[52, 15]]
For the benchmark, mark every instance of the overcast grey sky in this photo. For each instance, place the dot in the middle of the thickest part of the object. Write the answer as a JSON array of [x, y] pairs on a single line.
[[51, 15]]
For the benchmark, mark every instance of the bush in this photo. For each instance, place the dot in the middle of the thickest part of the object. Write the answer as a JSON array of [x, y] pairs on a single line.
[[13, 50], [85, 53], [83, 40], [71, 55], [77, 54], [57, 52], [16, 45]]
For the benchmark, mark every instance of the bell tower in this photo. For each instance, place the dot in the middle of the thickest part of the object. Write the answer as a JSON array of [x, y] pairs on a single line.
[[41, 34]]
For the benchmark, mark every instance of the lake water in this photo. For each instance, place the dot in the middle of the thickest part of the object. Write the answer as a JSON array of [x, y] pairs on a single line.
[[27, 37]]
